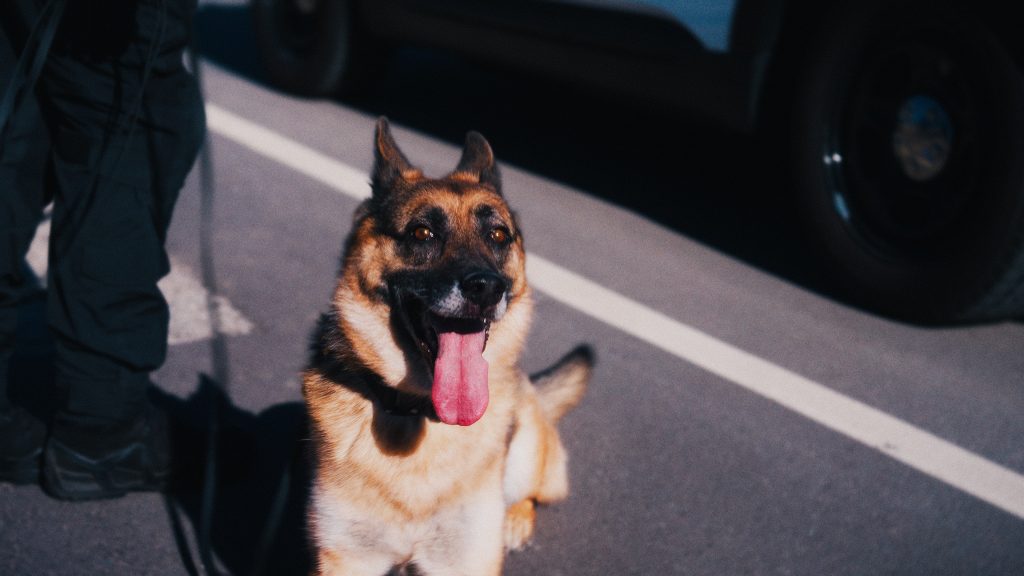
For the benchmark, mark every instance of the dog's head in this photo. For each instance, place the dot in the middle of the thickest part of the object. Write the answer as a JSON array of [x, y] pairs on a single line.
[[433, 285]]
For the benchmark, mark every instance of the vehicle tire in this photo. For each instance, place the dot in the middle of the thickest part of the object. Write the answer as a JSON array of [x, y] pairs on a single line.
[[908, 155], [309, 47]]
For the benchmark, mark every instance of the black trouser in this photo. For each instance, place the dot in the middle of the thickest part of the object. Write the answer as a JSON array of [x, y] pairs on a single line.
[[120, 120]]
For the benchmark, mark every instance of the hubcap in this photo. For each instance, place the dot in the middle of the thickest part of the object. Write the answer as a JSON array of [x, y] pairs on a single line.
[[923, 138], [904, 147]]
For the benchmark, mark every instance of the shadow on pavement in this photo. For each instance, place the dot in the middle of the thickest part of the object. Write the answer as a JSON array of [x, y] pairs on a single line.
[[246, 511], [258, 478], [713, 186]]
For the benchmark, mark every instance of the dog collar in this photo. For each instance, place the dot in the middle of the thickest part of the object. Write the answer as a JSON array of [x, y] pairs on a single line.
[[394, 402], [389, 399]]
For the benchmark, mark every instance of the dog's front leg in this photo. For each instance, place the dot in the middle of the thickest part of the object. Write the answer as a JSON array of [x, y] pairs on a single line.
[[348, 541], [467, 540]]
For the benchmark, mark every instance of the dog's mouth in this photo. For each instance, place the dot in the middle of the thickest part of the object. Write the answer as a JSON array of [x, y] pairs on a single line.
[[453, 348], [431, 330]]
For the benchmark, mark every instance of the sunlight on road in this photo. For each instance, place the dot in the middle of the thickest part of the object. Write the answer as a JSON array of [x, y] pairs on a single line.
[[185, 294]]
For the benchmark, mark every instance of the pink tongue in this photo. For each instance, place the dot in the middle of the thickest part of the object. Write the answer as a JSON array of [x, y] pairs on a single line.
[[460, 378]]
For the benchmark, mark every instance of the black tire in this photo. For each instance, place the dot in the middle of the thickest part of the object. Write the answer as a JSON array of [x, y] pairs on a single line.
[[309, 47], [908, 153]]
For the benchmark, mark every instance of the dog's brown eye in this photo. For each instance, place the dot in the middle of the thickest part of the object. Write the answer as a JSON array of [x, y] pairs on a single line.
[[422, 233], [499, 236]]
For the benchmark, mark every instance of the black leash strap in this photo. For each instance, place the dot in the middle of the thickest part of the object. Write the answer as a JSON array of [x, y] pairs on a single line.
[[36, 48], [221, 375]]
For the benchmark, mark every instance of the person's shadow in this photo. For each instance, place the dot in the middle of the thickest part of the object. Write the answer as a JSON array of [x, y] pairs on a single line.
[[241, 480]]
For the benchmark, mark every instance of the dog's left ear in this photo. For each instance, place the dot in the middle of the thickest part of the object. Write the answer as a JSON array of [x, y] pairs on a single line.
[[390, 165], [477, 162]]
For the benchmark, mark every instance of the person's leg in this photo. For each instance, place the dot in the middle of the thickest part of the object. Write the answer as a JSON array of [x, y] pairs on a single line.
[[22, 198], [126, 120]]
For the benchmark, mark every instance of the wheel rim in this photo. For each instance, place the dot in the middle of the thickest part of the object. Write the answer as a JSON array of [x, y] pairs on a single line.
[[904, 149]]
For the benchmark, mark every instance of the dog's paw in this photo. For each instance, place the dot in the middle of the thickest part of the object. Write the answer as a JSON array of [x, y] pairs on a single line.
[[519, 520]]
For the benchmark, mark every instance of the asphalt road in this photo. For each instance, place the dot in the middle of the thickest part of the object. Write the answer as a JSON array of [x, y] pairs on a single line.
[[744, 418]]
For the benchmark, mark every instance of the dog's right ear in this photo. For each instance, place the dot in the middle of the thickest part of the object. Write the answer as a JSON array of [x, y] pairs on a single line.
[[390, 166], [477, 162]]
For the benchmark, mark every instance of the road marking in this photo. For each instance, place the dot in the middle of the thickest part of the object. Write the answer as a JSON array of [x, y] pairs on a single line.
[[303, 159], [893, 437], [190, 303], [917, 448], [186, 297]]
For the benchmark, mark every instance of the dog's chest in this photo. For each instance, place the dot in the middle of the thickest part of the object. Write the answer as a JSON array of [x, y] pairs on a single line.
[[344, 524], [444, 464], [441, 494]]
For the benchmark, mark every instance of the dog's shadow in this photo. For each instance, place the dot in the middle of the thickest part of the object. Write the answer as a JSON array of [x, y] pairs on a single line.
[[241, 480]]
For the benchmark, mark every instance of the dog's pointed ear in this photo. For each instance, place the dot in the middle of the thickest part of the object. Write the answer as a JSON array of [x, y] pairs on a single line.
[[477, 162], [389, 164]]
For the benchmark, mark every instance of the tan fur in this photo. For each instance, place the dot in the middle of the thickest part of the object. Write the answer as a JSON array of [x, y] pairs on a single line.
[[449, 499]]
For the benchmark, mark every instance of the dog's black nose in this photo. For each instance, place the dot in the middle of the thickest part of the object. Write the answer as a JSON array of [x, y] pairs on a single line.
[[483, 288]]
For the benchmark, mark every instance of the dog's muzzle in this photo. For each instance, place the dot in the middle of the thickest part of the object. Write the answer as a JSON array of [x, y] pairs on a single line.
[[451, 329], [479, 295]]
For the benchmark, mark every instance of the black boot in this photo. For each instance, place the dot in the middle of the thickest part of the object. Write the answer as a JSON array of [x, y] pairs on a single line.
[[88, 459]]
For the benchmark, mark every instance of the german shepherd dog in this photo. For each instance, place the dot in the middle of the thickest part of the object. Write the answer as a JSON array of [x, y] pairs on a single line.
[[432, 447]]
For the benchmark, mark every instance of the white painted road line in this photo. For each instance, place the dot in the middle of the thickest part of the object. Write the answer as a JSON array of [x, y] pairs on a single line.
[[893, 437], [919, 449], [186, 297], [298, 157], [189, 302]]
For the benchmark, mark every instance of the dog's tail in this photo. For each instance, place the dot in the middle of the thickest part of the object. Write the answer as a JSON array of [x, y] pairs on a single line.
[[561, 387]]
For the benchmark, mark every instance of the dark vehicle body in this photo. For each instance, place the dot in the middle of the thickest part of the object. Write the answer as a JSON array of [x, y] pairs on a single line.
[[902, 121], [634, 48]]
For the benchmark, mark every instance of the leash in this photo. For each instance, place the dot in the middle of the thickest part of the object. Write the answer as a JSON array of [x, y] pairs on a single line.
[[218, 347], [221, 372], [43, 30]]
